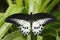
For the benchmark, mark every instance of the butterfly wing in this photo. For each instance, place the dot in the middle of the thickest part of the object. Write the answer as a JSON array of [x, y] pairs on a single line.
[[21, 20], [39, 20]]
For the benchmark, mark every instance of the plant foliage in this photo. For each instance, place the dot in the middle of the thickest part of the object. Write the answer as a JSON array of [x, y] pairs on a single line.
[[10, 32]]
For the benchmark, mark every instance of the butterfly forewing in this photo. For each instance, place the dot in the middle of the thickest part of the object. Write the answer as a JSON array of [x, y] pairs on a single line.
[[39, 20], [21, 20]]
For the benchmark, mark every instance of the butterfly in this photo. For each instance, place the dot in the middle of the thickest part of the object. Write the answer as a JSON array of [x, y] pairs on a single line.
[[32, 22]]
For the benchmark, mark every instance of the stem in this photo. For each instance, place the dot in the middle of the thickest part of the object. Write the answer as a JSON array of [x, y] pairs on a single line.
[[31, 3], [33, 37]]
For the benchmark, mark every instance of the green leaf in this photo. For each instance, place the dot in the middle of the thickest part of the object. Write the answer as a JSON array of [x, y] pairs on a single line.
[[50, 7], [26, 5], [11, 10], [56, 13], [7, 13], [55, 25], [50, 34], [19, 3], [36, 6], [49, 31], [9, 2], [49, 37], [43, 6], [14, 36], [1, 15], [4, 29]]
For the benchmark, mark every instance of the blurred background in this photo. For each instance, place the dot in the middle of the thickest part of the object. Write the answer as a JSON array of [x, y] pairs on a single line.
[[10, 31]]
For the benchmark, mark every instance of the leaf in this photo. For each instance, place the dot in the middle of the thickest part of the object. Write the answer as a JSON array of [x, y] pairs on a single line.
[[55, 25], [36, 6], [49, 37], [11, 10], [49, 31], [43, 6], [56, 13], [7, 13], [50, 34], [50, 7], [58, 35], [19, 3], [9, 2], [39, 37], [14, 36], [1, 15], [30, 5], [4, 29]]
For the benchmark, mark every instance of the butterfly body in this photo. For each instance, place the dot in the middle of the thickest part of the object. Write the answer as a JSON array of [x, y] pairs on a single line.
[[32, 22]]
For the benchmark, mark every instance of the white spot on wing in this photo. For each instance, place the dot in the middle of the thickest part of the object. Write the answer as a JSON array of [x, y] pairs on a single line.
[[43, 21], [25, 28], [38, 25], [38, 28]]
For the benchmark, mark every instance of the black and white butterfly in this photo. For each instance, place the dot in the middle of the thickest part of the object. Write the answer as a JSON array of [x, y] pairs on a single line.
[[32, 22]]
